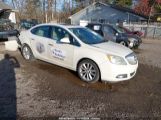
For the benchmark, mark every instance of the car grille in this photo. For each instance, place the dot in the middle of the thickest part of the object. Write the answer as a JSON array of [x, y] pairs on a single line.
[[132, 59]]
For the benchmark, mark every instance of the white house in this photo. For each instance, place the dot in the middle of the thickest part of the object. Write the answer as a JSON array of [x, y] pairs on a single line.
[[106, 13]]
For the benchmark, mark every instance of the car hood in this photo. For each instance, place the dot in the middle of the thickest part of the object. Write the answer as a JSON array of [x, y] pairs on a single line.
[[123, 36], [135, 37], [113, 48], [127, 36]]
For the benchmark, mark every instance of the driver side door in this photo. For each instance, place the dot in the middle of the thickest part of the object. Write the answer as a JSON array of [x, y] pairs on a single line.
[[109, 33], [60, 53]]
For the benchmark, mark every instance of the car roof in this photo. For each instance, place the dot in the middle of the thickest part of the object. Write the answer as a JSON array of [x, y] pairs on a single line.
[[61, 25], [95, 24]]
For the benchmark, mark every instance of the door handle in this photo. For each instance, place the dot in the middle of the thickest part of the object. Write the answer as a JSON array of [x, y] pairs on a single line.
[[50, 44]]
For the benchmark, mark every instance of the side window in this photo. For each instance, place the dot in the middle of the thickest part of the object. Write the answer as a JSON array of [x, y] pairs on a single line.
[[54, 35], [109, 30], [58, 33], [42, 31]]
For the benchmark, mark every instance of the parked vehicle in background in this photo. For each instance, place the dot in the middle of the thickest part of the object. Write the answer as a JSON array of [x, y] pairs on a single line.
[[133, 40], [115, 34], [98, 28], [79, 49], [130, 32], [6, 26], [27, 24]]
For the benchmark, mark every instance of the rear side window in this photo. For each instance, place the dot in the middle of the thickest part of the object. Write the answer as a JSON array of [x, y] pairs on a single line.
[[42, 31]]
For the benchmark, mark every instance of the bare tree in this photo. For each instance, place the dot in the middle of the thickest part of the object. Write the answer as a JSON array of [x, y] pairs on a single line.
[[19, 5]]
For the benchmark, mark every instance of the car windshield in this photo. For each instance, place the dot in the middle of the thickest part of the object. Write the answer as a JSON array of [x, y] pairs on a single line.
[[87, 36], [119, 30]]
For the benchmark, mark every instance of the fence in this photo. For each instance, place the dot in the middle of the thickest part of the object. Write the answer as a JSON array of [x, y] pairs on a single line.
[[153, 30], [150, 31]]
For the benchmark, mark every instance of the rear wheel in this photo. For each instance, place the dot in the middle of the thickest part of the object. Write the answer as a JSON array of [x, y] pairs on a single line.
[[88, 71], [27, 53]]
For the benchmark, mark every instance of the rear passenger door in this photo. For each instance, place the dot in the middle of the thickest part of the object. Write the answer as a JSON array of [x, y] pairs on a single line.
[[39, 39]]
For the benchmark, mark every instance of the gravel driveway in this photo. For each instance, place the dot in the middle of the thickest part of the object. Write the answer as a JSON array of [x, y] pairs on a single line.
[[38, 90]]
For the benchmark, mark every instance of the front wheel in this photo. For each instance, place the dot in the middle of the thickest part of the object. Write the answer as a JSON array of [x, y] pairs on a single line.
[[88, 71], [123, 43]]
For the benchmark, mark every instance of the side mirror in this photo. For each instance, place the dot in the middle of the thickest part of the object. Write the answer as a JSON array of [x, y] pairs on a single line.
[[65, 40]]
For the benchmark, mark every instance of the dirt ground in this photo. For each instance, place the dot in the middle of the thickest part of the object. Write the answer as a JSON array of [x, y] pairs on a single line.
[[38, 90]]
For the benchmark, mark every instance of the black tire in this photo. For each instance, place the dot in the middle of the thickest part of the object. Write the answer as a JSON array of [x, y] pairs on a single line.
[[90, 73], [30, 55], [124, 43]]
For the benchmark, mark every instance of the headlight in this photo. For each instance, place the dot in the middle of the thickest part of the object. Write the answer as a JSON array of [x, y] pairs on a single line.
[[132, 59], [116, 60], [132, 42]]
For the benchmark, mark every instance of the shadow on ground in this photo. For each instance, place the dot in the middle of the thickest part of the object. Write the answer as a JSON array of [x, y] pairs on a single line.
[[8, 87]]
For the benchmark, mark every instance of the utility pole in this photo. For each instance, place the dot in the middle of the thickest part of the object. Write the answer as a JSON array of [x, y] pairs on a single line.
[[13, 4], [150, 12]]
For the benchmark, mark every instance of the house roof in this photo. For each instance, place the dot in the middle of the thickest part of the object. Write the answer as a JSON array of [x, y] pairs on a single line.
[[124, 9], [4, 6], [81, 11], [120, 8]]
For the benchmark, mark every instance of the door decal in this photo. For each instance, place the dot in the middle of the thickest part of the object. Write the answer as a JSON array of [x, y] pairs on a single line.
[[40, 47], [58, 54]]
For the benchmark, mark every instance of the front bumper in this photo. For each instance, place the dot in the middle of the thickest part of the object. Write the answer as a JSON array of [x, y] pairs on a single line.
[[6, 34], [115, 73], [134, 44]]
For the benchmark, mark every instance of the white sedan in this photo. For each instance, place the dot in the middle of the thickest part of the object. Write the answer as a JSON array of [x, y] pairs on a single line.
[[79, 49]]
